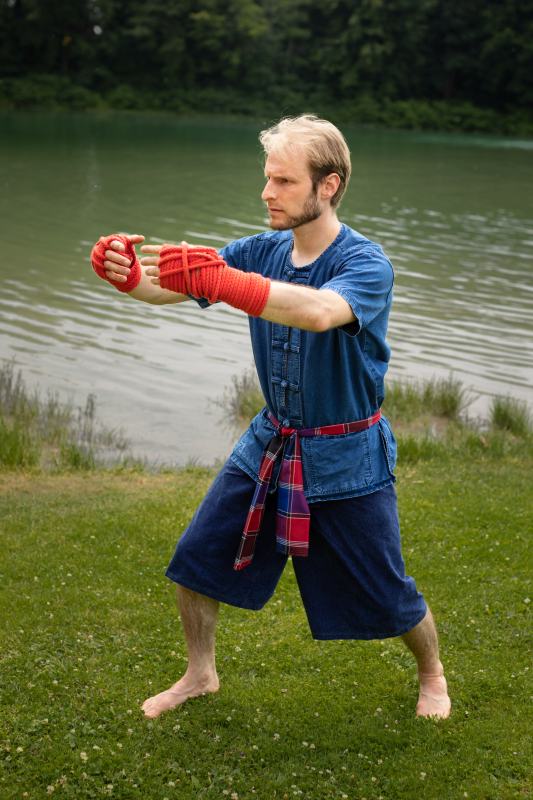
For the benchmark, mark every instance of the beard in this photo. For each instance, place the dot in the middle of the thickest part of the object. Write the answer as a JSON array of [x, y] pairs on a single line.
[[310, 212]]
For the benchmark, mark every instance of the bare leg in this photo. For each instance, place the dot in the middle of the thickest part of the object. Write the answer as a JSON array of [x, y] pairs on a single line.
[[199, 619], [433, 700]]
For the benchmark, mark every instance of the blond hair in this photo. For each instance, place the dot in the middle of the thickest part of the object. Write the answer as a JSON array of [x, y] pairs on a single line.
[[323, 144]]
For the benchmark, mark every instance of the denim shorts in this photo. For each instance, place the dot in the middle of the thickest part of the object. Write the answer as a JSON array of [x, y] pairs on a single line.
[[352, 583]]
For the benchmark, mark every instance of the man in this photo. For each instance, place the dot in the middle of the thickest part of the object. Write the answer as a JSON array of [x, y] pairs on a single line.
[[313, 475]]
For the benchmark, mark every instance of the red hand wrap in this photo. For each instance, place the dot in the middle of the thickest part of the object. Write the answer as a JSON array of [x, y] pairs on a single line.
[[98, 257], [201, 272]]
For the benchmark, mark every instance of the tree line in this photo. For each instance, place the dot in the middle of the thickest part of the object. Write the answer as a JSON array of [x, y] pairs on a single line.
[[246, 55]]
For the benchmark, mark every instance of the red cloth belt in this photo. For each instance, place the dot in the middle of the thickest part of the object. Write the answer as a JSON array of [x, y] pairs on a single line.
[[293, 516]]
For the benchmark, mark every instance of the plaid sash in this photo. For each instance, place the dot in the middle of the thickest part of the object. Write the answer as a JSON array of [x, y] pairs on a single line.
[[293, 516]]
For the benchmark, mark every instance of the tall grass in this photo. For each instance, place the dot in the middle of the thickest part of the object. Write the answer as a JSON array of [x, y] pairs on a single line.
[[509, 414], [37, 430], [428, 415], [17, 447], [242, 400], [406, 400]]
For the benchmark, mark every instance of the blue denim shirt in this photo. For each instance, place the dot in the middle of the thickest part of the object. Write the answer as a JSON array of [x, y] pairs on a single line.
[[313, 379]]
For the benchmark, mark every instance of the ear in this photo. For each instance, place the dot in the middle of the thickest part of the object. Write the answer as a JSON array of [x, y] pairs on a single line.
[[329, 185]]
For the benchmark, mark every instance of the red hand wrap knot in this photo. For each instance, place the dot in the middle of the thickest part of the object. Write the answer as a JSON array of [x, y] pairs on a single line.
[[98, 257], [191, 270], [201, 272]]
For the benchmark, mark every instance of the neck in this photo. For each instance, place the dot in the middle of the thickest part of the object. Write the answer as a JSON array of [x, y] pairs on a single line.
[[312, 239]]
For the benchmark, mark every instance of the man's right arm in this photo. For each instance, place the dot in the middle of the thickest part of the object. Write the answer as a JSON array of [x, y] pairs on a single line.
[[117, 269], [155, 295]]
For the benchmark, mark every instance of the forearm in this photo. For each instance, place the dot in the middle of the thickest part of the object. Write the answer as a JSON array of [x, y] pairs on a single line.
[[147, 292], [305, 307], [201, 272]]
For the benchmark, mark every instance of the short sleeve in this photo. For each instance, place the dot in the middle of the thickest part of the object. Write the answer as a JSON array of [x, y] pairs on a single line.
[[365, 280], [235, 254]]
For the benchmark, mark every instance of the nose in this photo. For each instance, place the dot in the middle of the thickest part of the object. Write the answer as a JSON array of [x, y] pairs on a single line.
[[268, 192]]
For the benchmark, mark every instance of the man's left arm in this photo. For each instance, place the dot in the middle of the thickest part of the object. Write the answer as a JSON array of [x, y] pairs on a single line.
[[350, 300], [306, 308], [275, 301]]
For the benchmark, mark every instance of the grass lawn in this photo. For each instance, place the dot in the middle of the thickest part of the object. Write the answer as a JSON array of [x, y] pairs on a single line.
[[90, 629]]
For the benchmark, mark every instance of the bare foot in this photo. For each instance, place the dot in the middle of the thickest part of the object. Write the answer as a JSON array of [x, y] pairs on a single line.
[[433, 700], [183, 690]]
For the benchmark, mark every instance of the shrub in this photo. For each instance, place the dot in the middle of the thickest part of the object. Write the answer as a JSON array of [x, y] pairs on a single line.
[[124, 98], [46, 91]]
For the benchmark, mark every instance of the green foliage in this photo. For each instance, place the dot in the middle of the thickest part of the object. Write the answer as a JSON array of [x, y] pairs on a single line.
[[458, 442], [409, 400], [428, 417], [433, 64], [412, 449], [75, 456], [46, 432], [509, 414], [46, 91], [124, 97], [405, 401], [17, 447], [242, 400]]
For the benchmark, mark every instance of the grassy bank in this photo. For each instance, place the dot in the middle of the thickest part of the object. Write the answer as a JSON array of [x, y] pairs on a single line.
[[46, 432], [430, 418], [90, 630], [58, 92]]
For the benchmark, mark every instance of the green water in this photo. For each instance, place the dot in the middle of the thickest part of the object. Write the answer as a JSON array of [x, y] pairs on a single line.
[[454, 213]]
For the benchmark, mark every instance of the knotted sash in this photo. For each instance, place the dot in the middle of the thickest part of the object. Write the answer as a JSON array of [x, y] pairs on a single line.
[[293, 515]]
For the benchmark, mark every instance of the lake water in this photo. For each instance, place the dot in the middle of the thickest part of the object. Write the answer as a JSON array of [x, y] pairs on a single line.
[[454, 213]]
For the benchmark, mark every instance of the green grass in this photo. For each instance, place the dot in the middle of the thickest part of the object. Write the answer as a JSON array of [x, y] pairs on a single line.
[[509, 414], [18, 448], [242, 399], [406, 400], [429, 418], [47, 432], [90, 630]]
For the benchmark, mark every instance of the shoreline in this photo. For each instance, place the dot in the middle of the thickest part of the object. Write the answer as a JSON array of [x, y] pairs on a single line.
[[430, 419], [50, 93]]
